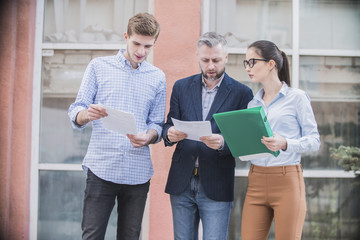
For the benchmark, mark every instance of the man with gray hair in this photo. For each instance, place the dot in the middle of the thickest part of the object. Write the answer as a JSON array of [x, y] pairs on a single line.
[[201, 177]]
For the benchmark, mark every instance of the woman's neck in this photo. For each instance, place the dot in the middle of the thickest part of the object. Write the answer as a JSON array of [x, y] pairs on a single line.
[[271, 90]]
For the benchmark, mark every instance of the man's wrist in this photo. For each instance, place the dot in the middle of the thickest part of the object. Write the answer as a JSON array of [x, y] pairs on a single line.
[[168, 140], [81, 118], [153, 136], [222, 145]]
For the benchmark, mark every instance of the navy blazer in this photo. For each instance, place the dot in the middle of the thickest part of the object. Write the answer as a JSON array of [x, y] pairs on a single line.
[[216, 168]]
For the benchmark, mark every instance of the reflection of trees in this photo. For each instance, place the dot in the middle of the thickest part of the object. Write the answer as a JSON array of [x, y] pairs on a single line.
[[333, 209], [348, 158], [239, 198], [356, 89], [332, 135]]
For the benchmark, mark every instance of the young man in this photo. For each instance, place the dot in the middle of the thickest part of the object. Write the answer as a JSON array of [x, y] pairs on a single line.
[[201, 177], [117, 166]]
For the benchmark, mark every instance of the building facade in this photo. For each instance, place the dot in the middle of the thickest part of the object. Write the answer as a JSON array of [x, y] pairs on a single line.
[[46, 45]]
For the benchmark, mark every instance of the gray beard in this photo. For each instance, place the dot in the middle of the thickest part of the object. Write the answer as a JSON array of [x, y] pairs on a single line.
[[215, 78]]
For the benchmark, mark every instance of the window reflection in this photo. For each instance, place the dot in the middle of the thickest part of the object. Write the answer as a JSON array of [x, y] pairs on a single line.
[[330, 77], [59, 142], [244, 21], [338, 21], [88, 21], [333, 210], [61, 200], [338, 124]]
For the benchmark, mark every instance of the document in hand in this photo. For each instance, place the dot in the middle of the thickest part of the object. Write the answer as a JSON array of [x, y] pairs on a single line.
[[194, 129], [243, 130], [119, 121]]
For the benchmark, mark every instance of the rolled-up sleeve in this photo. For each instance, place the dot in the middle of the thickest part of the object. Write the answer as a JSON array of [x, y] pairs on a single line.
[[85, 96], [156, 115]]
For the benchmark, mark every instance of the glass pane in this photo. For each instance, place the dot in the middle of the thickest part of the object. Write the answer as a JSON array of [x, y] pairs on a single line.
[[61, 196], [333, 210], [330, 77], [61, 78], [338, 20], [239, 199], [88, 21], [338, 124], [245, 21], [59, 142]]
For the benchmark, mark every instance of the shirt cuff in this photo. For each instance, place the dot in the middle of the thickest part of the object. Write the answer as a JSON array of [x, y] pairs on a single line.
[[292, 145], [158, 129], [168, 141], [73, 114]]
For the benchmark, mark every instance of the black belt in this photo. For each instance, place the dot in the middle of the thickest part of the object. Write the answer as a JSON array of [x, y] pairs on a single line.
[[195, 171]]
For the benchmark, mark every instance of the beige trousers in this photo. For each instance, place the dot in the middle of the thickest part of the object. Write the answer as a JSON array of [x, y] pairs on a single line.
[[274, 193]]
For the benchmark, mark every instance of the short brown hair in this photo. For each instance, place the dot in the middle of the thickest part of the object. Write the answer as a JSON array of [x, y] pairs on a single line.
[[143, 24]]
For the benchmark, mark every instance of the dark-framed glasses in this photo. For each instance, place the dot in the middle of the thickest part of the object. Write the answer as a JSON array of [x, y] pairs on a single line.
[[252, 62]]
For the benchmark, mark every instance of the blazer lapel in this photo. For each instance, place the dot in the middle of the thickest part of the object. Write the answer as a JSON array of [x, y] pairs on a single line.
[[220, 97], [196, 97]]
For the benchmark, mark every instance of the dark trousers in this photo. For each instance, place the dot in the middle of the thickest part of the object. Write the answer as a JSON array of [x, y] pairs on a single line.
[[99, 201]]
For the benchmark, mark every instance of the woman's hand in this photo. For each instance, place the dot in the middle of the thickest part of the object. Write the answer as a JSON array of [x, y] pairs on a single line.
[[275, 142]]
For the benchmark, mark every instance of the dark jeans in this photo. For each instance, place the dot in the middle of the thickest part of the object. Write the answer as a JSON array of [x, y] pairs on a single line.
[[99, 201]]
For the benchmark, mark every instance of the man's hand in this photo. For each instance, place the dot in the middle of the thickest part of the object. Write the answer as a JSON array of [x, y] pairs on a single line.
[[175, 135], [143, 139], [215, 141], [275, 143], [94, 112]]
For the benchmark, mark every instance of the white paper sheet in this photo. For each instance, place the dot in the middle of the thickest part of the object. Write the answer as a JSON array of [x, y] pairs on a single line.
[[194, 129], [119, 121]]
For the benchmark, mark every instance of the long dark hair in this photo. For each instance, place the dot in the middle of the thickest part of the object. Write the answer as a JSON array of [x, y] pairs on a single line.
[[269, 50]]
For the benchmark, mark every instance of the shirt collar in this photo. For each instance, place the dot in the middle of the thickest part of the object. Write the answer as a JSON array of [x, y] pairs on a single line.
[[217, 85], [283, 91], [124, 62]]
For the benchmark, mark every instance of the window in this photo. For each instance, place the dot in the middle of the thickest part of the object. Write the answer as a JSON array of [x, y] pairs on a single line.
[[322, 40], [70, 33]]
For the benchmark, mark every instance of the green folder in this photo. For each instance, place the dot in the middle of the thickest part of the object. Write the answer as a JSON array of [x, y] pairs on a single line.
[[243, 130]]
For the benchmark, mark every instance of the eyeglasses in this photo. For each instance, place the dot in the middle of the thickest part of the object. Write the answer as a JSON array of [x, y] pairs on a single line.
[[251, 62]]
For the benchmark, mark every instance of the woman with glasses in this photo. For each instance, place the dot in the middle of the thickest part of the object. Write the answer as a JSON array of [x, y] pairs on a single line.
[[276, 185]]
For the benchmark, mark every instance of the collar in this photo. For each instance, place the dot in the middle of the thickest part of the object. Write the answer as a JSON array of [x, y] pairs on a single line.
[[283, 92], [124, 62], [216, 86]]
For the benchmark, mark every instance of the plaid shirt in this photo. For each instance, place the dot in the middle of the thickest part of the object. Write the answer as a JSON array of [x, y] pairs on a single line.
[[113, 82], [208, 96]]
